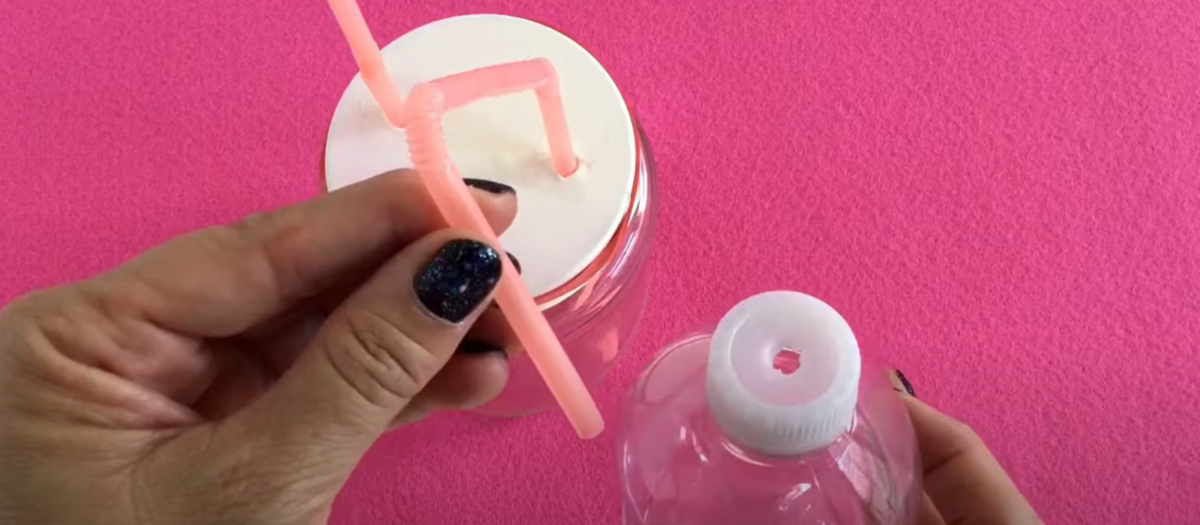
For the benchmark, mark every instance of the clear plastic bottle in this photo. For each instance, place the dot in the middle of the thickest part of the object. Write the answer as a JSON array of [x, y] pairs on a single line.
[[771, 419]]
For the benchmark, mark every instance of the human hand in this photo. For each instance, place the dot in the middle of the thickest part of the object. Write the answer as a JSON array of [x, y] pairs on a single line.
[[964, 484], [238, 374]]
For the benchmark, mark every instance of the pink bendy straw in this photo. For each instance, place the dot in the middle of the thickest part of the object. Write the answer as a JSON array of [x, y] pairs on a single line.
[[421, 118]]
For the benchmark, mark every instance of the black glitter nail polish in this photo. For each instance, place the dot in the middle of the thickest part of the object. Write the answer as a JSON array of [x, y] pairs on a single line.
[[907, 385], [516, 264], [477, 347], [490, 186], [458, 278]]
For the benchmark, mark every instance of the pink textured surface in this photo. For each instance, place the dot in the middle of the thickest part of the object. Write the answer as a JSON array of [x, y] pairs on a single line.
[[1004, 202]]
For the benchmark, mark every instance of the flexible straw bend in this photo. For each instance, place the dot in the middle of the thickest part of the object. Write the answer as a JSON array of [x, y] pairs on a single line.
[[426, 140], [537, 75], [427, 147], [421, 118]]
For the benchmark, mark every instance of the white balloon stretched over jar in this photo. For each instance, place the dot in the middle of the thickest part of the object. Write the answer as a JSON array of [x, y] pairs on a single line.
[[581, 240]]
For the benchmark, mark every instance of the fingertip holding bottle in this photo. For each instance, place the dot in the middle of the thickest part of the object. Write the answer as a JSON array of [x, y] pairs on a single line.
[[900, 383], [490, 186]]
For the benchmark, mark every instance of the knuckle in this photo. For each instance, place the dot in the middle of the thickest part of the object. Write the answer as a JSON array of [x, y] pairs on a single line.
[[402, 191], [31, 320], [29, 304], [400, 181], [253, 225], [268, 236], [966, 434], [380, 361], [255, 229]]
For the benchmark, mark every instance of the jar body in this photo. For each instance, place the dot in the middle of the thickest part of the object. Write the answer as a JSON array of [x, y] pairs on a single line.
[[597, 323], [677, 466]]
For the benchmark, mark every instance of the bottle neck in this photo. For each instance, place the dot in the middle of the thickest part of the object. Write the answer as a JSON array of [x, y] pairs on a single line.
[[746, 453]]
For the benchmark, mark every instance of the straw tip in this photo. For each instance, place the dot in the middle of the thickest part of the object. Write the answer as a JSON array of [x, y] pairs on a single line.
[[565, 167], [589, 429]]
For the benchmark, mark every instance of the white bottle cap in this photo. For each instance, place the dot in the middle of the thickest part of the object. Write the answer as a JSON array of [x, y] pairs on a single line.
[[562, 225], [765, 409]]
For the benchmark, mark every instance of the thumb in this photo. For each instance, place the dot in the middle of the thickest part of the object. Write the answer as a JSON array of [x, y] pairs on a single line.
[[373, 355], [963, 481]]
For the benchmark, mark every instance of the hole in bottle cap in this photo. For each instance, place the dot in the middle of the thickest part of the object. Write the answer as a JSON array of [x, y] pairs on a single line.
[[787, 361]]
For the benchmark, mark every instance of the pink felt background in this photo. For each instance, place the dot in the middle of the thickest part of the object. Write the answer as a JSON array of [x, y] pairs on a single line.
[[1004, 201]]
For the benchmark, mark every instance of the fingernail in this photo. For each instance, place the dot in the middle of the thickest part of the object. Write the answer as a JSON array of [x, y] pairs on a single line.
[[458, 279], [901, 383], [516, 264], [490, 186], [477, 347]]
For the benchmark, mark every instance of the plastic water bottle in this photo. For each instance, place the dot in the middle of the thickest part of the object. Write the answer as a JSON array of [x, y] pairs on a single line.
[[771, 419]]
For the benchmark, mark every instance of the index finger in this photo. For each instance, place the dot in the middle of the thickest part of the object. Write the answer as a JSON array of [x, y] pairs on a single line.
[[962, 478], [220, 281]]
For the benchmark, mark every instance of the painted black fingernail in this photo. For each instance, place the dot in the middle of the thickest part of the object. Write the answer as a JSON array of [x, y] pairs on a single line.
[[458, 278], [515, 262], [477, 347], [907, 385], [490, 186]]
